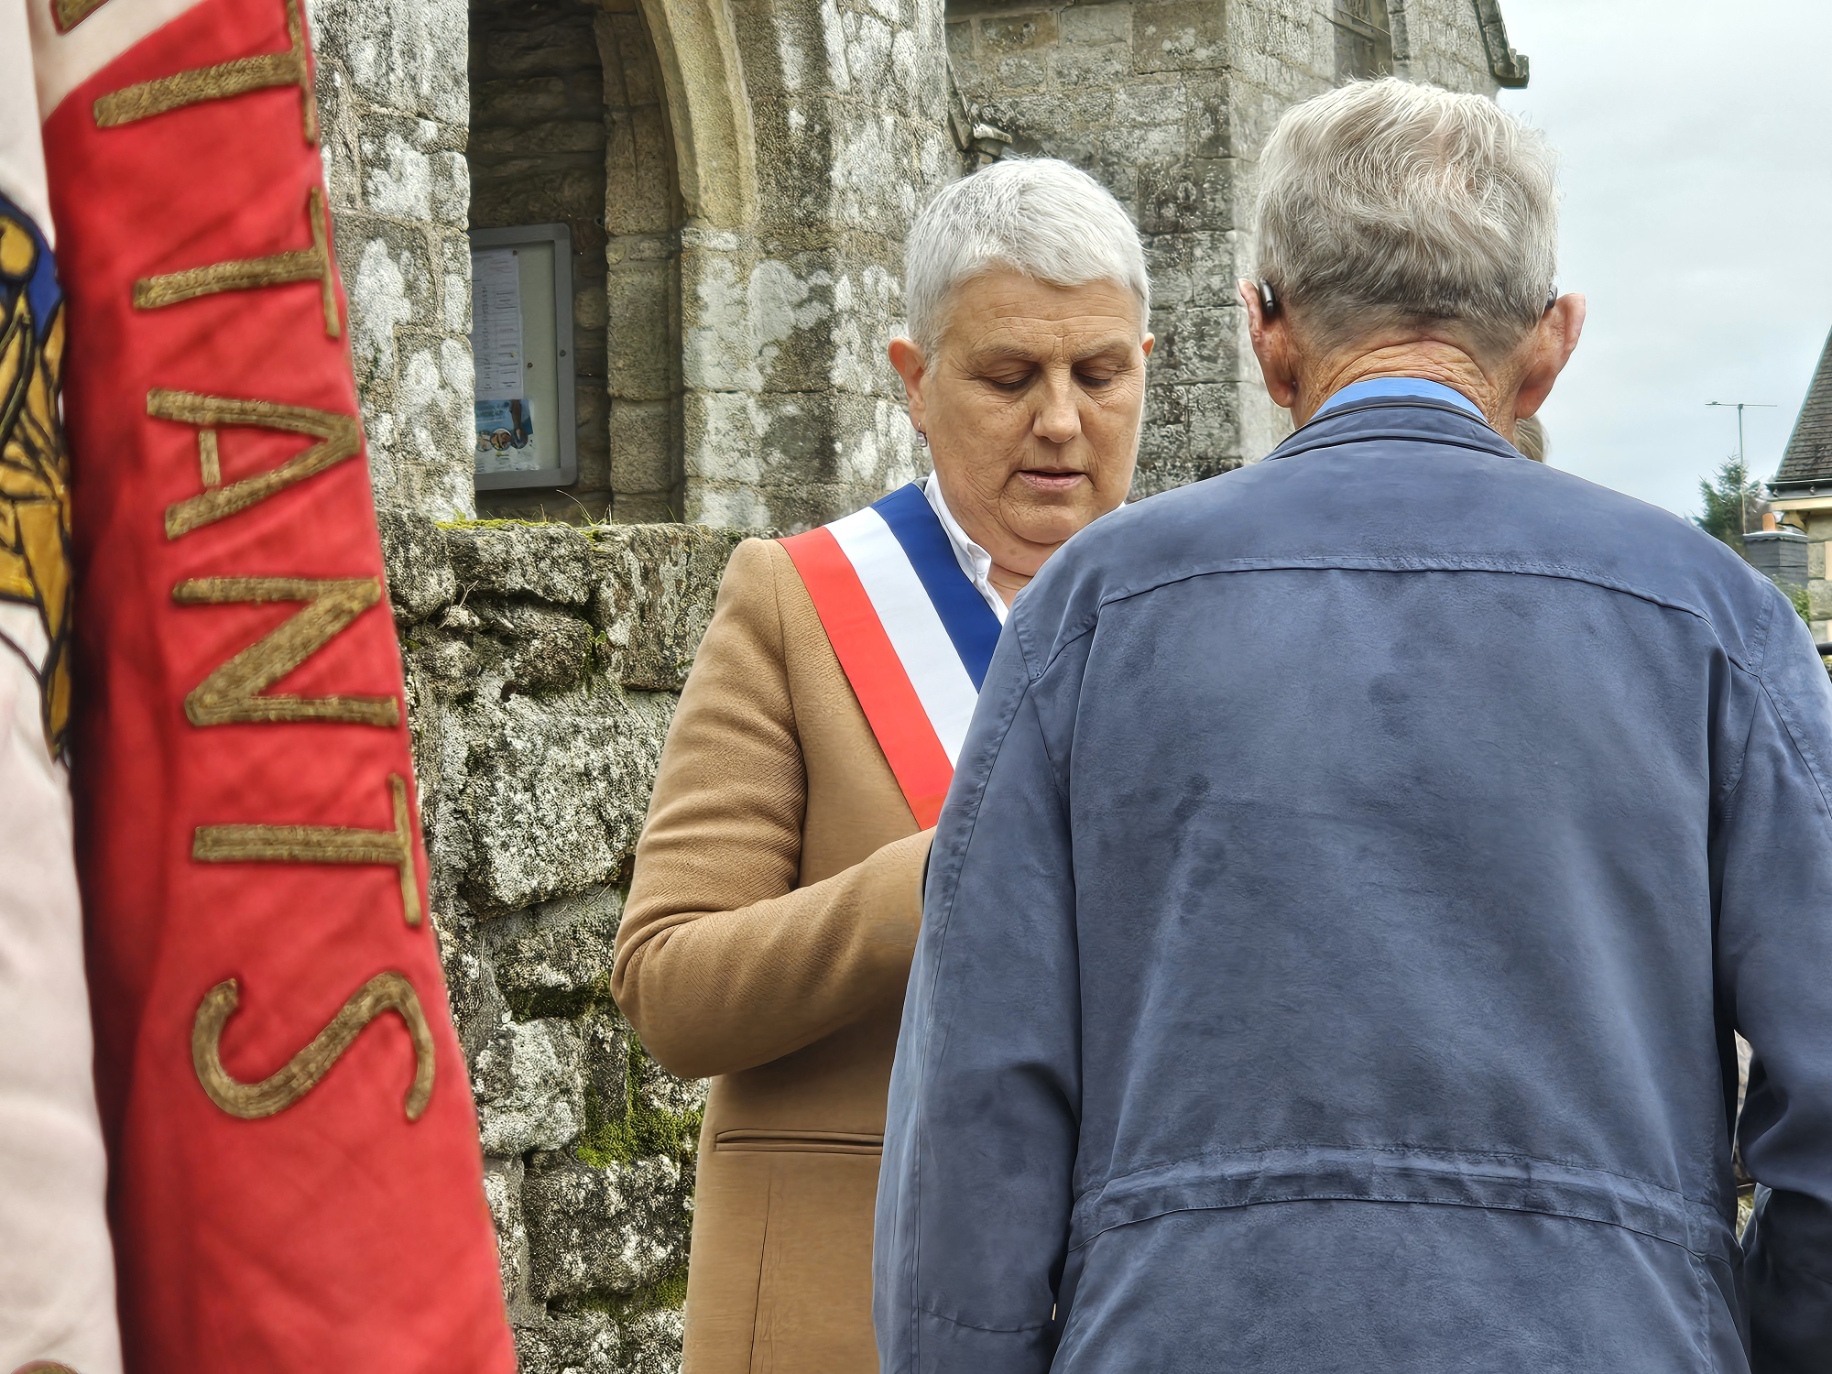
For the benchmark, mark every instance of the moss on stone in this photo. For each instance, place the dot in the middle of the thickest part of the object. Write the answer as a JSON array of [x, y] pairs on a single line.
[[492, 523], [622, 1307], [639, 1130], [529, 1004]]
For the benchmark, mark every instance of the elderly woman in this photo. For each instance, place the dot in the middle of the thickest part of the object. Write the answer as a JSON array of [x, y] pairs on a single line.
[[1360, 861], [778, 884]]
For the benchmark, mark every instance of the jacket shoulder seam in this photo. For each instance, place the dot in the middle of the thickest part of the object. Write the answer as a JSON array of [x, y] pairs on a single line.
[[1800, 751], [1734, 778], [775, 554]]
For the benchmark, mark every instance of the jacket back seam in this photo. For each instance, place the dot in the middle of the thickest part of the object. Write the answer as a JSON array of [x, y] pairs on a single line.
[[1086, 624], [1371, 1195]]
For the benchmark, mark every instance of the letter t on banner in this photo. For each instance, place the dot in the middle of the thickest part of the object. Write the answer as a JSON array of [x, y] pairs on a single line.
[[296, 1181]]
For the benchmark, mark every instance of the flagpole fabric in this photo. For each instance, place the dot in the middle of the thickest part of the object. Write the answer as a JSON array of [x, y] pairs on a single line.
[[912, 634], [295, 1172]]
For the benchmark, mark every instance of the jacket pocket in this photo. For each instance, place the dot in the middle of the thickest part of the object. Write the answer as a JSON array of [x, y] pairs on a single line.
[[807, 1142]]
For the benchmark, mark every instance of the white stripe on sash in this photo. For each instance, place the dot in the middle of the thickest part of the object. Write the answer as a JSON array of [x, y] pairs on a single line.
[[911, 623]]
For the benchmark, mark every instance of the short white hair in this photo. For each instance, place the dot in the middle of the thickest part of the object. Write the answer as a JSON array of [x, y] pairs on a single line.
[[1385, 202], [1037, 216]]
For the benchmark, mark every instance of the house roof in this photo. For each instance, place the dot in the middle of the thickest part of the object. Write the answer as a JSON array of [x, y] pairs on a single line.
[[1808, 460]]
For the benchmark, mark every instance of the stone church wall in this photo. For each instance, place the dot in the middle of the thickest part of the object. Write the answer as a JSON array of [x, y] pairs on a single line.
[[391, 99], [790, 414], [543, 665]]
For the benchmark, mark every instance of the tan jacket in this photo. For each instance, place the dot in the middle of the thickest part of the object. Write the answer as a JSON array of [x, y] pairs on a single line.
[[766, 943]]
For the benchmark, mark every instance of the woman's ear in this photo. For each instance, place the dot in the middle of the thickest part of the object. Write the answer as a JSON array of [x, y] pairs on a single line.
[[907, 358]]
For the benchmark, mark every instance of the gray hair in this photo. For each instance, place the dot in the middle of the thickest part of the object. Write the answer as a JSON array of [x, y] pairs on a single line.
[[1036, 216], [1386, 202]]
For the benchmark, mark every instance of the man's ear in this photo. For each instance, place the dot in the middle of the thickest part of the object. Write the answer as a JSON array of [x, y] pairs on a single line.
[[1271, 336], [907, 358], [1549, 349]]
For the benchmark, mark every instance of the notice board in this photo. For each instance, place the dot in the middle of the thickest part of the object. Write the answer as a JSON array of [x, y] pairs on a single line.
[[521, 347]]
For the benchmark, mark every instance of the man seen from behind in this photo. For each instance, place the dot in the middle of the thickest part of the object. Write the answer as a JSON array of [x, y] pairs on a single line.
[[1360, 862]]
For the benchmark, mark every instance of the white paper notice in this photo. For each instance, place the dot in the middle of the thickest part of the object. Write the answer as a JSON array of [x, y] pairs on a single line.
[[496, 324]]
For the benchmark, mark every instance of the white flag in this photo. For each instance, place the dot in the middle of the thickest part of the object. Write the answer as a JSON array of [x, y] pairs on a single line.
[[57, 1297]]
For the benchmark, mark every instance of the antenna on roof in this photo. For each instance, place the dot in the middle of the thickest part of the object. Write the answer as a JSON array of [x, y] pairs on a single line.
[[1742, 406]]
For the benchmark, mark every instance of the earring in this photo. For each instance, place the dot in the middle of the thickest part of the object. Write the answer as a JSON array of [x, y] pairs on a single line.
[[922, 440]]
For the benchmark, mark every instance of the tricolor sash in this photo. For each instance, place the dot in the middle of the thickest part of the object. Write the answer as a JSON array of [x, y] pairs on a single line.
[[912, 633]]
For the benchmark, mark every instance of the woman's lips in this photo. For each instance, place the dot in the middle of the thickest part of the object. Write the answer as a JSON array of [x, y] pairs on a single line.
[[1044, 479]]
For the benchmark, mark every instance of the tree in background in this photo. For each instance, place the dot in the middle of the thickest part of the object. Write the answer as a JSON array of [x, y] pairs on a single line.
[[1733, 503]]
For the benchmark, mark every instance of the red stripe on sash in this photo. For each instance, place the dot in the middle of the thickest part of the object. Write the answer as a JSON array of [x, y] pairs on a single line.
[[890, 703]]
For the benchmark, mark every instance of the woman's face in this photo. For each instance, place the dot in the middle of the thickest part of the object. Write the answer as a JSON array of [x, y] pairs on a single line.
[[1031, 408]]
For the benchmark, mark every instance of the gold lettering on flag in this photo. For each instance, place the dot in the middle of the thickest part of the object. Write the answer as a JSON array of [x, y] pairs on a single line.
[[70, 13], [321, 844], [248, 274], [232, 693], [240, 76], [250, 1101], [339, 437]]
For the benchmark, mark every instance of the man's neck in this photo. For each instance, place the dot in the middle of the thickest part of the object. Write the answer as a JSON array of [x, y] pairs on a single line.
[[1430, 359]]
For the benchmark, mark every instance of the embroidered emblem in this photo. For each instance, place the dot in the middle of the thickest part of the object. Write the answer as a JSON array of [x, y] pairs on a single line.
[[69, 13], [321, 844], [250, 1101], [264, 71], [34, 467], [250, 274], [339, 437], [231, 694]]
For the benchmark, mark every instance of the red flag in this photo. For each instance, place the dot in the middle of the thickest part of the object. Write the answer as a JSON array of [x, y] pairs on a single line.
[[295, 1173]]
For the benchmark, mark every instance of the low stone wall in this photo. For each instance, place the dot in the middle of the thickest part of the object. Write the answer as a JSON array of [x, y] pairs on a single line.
[[543, 665]]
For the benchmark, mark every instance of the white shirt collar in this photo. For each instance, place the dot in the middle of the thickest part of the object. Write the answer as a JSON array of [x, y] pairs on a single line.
[[974, 561]]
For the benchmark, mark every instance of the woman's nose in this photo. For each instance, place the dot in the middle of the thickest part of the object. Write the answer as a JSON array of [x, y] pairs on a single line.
[[1058, 419]]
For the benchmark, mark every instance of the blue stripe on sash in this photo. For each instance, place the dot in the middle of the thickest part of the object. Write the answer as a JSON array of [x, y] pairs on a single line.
[[964, 613]]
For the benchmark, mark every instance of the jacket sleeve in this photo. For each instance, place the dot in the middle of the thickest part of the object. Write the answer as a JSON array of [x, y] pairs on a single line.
[[722, 962], [1775, 974], [974, 1194]]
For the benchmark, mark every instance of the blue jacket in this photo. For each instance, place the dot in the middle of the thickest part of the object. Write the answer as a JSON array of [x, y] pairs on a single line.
[[1353, 877]]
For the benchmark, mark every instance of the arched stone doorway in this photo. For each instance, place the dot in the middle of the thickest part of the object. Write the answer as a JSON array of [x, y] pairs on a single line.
[[753, 167], [569, 123]]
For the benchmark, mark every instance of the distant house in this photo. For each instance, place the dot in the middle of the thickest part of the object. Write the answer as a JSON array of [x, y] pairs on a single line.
[[1802, 489]]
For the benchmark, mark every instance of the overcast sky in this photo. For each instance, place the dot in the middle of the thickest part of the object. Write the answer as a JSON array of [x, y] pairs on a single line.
[[1696, 147]]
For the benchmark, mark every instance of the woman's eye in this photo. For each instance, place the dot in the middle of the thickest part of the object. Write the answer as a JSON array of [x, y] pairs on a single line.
[[1009, 381], [1094, 381]]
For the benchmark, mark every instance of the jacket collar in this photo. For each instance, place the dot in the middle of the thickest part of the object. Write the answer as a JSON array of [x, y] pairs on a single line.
[[1415, 419], [1391, 387]]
